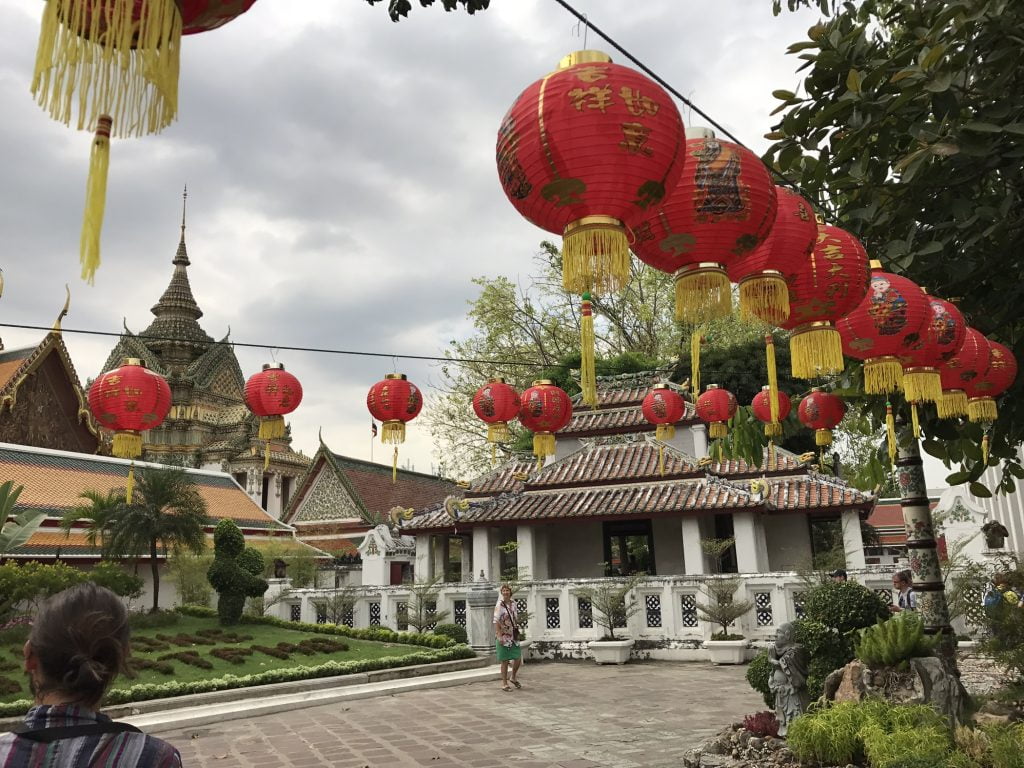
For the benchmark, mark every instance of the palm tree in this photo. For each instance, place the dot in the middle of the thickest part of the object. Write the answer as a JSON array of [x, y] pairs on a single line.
[[166, 511], [98, 509], [17, 531]]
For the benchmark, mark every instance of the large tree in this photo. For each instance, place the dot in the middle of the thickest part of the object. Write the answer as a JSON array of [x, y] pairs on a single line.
[[397, 9], [907, 130]]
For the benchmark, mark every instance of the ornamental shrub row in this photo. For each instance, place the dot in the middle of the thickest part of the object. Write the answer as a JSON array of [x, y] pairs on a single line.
[[146, 691]]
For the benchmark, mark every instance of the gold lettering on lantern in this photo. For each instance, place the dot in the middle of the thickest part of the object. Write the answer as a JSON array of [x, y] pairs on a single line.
[[132, 391], [385, 398], [634, 139], [595, 97], [591, 74], [643, 233], [636, 104], [131, 406]]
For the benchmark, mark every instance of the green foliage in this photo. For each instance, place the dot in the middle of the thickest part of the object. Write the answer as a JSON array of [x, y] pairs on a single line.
[[14, 533], [895, 641], [839, 734], [611, 603], [826, 649], [844, 605], [153, 620], [907, 128], [454, 631], [399, 9], [722, 607], [759, 672], [1007, 745], [337, 604], [189, 574], [116, 579], [24, 585], [300, 561], [235, 572], [1005, 636], [421, 609]]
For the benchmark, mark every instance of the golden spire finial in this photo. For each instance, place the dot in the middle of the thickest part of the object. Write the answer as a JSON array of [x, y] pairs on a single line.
[[184, 201], [63, 312]]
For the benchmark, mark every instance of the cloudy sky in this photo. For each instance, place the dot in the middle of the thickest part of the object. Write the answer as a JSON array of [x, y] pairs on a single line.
[[340, 167]]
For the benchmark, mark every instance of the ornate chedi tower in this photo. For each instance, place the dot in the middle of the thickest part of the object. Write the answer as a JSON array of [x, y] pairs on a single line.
[[208, 426]]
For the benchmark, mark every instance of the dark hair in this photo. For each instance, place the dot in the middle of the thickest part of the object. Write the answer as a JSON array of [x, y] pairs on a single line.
[[80, 639], [905, 577]]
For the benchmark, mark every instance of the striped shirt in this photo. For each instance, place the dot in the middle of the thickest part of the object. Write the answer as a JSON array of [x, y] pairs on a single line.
[[107, 750]]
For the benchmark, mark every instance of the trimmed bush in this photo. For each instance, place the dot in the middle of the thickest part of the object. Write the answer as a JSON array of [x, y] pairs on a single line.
[[844, 606], [454, 631], [157, 620], [191, 658], [826, 649], [232, 654], [116, 579], [759, 672], [235, 573], [163, 667], [7, 685]]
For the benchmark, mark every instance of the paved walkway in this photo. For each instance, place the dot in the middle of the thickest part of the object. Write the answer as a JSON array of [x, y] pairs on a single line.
[[567, 715]]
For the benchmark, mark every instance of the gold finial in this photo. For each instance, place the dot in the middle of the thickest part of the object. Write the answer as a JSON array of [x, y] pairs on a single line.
[[184, 200], [63, 312]]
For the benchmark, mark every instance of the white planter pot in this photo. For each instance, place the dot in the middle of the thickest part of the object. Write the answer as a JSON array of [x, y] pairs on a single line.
[[726, 651], [610, 651]]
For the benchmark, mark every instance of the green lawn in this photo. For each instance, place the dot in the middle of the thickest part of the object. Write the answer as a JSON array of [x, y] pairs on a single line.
[[149, 645]]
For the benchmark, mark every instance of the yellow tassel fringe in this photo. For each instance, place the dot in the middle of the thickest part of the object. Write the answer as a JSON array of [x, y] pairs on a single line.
[[984, 449], [703, 294], [129, 484], [266, 456], [95, 59], [718, 429], [392, 432], [765, 297], [773, 381], [816, 351], [952, 404], [588, 376], [394, 466], [882, 375], [981, 409], [498, 432], [890, 433], [665, 432], [774, 429], [922, 385], [272, 428], [543, 445], [127, 445], [695, 341], [595, 257], [915, 423], [95, 201], [823, 437]]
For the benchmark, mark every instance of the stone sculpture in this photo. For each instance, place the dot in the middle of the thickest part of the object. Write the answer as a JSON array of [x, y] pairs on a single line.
[[788, 680]]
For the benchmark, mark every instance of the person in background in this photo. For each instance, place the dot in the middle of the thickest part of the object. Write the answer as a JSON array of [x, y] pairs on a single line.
[[906, 598], [839, 575], [77, 646], [506, 638]]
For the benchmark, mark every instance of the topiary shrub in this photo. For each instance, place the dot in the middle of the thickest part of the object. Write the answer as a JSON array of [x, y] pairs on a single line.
[[235, 572], [844, 606], [454, 631], [759, 672], [894, 642], [116, 579]]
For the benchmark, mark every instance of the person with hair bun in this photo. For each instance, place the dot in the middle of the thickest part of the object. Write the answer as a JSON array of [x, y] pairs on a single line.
[[77, 646]]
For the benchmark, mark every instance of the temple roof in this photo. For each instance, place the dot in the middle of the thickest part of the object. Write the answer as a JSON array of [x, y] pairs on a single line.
[[618, 410], [177, 312]]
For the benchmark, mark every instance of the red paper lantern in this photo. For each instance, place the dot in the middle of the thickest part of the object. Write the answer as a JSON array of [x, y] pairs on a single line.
[[822, 412], [959, 372], [885, 325], [270, 394], [722, 209], [983, 390], [496, 404], [544, 409], [939, 340], [206, 15], [825, 287], [663, 406], [760, 274], [761, 405], [585, 149], [394, 401], [129, 400], [715, 407]]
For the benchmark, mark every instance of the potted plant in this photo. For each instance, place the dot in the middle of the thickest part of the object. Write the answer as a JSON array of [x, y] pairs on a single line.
[[723, 609], [995, 534], [612, 607]]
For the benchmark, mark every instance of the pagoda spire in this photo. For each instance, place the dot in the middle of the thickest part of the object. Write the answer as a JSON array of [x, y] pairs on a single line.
[[181, 257]]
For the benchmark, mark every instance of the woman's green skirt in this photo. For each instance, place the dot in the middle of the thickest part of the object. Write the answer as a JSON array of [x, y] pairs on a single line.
[[506, 653]]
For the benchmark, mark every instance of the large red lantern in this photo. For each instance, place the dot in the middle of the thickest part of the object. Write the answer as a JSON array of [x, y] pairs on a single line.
[[271, 394], [826, 286], [496, 404], [822, 412], [111, 66], [959, 372], [983, 391], [394, 401], [663, 406], [715, 407], [129, 400], [885, 325], [760, 274], [939, 340], [584, 150], [544, 409], [761, 405], [721, 210]]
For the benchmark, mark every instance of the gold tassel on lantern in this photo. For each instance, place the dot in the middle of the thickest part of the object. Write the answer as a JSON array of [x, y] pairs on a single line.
[[703, 292], [392, 432], [129, 484], [695, 342], [765, 297], [883, 375], [922, 385], [665, 432], [498, 432], [95, 200], [982, 409], [588, 376], [815, 350], [595, 255], [984, 449], [890, 431], [773, 385], [272, 428], [915, 423], [823, 437], [394, 466], [266, 456], [952, 404], [543, 446], [718, 429], [127, 445]]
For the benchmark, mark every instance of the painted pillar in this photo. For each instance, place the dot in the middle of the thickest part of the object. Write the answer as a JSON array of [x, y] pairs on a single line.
[[693, 555], [482, 554], [751, 554], [921, 547], [853, 541]]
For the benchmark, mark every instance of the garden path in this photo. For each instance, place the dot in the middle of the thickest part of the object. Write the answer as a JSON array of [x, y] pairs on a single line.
[[567, 715]]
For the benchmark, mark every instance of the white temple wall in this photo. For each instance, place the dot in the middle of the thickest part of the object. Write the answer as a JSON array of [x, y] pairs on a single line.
[[576, 550], [789, 541], [668, 545]]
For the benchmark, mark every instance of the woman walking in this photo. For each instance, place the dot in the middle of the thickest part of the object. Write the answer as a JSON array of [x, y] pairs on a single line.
[[506, 638]]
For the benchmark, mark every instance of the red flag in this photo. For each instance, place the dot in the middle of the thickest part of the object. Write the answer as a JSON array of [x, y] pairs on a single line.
[[373, 428]]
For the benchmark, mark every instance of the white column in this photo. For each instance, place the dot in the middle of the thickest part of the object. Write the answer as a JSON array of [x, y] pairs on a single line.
[[541, 552], [440, 547], [853, 542], [467, 559], [751, 555], [693, 555], [700, 440], [526, 555], [423, 559], [274, 497], [483, 544]]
